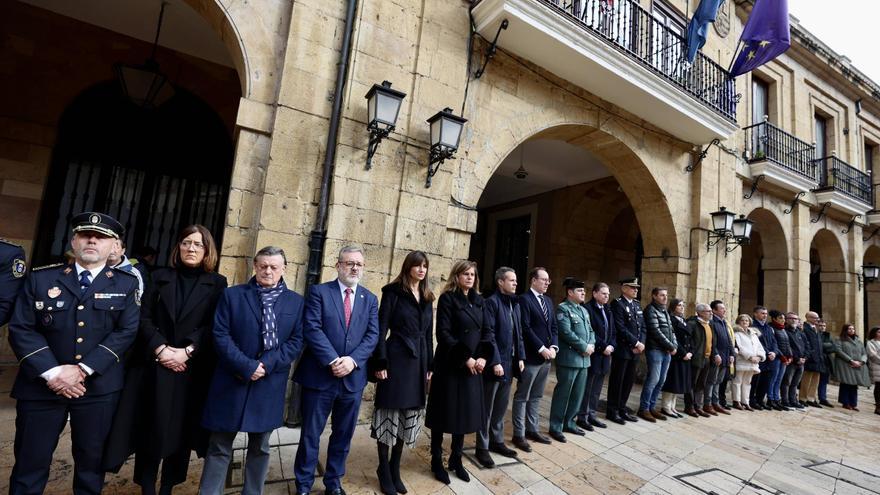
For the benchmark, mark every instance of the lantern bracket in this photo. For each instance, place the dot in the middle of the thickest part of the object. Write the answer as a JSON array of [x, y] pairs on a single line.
[[821, 213], [491, 50], [703, 153], [790, 209], [866, 239], [754, 187], [850, 225]]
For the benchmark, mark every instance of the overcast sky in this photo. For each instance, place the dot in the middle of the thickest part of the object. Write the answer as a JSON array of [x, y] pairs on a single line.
[[847, 26]]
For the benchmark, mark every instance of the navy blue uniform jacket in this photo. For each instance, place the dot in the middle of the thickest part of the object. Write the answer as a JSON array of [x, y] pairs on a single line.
[[55, 323], [235, 403], [327, 338]]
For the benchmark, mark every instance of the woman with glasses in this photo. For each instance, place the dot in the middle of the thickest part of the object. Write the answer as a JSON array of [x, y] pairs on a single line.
[[170, 367], [850, 366]]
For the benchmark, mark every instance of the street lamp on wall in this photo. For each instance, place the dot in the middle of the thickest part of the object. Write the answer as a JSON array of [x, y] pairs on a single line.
[[145, 85], [741, 233], [445, 135], [383, 107], [870, 273], [725, 226]]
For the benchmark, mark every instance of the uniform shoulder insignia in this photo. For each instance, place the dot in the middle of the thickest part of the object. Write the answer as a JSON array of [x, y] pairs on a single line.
[[44, 267], [4, 241], [116, 269]]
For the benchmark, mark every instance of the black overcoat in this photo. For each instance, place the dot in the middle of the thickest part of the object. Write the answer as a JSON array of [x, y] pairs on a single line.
[[455, 401], [679, 378], [160, 410], [407, 352]]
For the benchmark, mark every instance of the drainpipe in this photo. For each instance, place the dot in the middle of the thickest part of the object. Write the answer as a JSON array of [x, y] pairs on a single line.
[[319, 234]]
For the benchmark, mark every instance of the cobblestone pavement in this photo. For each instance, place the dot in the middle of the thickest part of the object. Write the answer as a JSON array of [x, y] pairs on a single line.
[[816, 451]]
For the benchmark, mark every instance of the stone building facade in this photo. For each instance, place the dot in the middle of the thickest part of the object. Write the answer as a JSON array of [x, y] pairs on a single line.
[[589, 98]]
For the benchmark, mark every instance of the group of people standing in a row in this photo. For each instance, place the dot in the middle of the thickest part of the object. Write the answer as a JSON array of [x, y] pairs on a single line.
[[192, 362]]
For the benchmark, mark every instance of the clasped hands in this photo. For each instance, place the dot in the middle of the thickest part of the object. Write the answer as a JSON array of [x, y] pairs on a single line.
[[173, 358], [342, 366], [475, 366], [69, 382]]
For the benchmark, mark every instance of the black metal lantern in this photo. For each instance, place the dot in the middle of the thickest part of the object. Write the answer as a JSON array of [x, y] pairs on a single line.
[[871, 272], [741, 233], [383, 107], [445, 135], [722, 221], [145, 85]]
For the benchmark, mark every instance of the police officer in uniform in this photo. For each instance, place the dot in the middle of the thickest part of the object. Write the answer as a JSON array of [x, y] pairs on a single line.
[[11, 277], [70, 329], [630, 325]]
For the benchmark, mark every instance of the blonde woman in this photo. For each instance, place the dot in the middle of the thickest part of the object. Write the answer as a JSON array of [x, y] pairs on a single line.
[[749, 354]]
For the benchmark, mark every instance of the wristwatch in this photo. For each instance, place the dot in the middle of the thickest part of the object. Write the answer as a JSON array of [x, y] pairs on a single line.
[[190, 349]]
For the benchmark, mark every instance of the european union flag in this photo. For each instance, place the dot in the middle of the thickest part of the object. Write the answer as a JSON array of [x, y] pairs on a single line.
[[765, 37], [706, 12]]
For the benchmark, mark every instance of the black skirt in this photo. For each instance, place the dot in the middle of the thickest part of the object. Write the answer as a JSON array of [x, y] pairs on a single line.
[[680, 378]]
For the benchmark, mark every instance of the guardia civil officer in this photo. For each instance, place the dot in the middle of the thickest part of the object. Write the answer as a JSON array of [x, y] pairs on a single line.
[[70, 329], [12, 270], [630, 322]]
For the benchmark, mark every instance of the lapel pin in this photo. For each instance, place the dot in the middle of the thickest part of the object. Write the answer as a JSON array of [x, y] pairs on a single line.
[[109, 274], [60, 304], [38, 305], [54, 292]]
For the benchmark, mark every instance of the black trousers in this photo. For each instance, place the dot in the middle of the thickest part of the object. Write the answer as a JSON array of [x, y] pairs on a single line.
[[174, 467], [620, 382], [39, 423], [722, 391], [753, 392]]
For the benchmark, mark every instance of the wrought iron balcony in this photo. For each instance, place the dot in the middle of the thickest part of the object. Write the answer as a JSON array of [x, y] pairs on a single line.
[[840, 176], [618, 51], [764, 141]]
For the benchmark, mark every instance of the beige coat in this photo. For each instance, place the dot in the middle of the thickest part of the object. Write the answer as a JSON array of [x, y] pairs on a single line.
[[873, 349], [748, 346]]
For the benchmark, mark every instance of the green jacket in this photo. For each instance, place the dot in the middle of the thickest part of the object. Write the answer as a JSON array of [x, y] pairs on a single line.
[[851, 350], [575, 334]]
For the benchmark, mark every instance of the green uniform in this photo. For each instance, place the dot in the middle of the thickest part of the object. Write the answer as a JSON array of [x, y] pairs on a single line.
[[575, 335]]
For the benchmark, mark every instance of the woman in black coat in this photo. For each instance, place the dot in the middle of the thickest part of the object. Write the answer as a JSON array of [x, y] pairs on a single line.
[[170, 367], [464, 344], [402, 365], [679, 379]]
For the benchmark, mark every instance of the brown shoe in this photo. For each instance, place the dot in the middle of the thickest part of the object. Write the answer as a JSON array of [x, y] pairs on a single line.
[[658, 415], [702, 413], [720, 410], [710, 409], [646, 416], [738, 406], [691, 412]]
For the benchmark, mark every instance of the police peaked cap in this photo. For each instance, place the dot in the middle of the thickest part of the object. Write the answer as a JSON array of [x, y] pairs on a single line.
[[91, 221]]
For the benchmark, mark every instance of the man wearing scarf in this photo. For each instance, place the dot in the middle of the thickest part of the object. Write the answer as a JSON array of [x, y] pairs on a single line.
[[257, 335]]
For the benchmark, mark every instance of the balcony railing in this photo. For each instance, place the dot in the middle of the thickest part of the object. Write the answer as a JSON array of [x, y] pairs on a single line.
[[625, 25], [845, 178], [764, 141]]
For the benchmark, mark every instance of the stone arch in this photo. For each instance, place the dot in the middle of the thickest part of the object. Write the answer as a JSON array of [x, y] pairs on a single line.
[[829, 278], [766, 266], [872, 290]]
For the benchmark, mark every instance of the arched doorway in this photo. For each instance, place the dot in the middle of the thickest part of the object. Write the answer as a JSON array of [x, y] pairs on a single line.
[[872, 290], [155, 170], [765, 268], [828, 279], [565, 198]]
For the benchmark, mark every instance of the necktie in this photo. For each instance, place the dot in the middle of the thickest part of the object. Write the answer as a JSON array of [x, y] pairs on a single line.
[[346, 304], [544, 308], [604, 318], [84, 281]]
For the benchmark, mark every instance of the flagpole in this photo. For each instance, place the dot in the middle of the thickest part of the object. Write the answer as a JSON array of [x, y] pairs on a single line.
[[735, 54]]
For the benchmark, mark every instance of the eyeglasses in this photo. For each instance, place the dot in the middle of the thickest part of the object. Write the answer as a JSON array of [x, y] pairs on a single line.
[[187, 244], [351, 264]]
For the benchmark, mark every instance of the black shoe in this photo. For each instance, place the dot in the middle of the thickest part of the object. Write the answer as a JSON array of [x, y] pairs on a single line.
[[537, 437], [725, 406], [558, 436], [335, 491], [614, 418], [501, 449], [584, 424], [439, 472], [484, 458], [629, 417], [595, 422], [576, 431], [456, 466], [394, 465], [757, 406], [826, 404], [522, 444], [814, 404], [385, 483]]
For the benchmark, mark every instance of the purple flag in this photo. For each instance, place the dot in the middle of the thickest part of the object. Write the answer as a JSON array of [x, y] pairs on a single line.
[[765, 37]]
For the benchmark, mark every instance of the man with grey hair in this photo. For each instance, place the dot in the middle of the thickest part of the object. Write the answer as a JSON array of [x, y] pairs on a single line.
[[257, 335], [341, 329], [704, 349], [504, 318]]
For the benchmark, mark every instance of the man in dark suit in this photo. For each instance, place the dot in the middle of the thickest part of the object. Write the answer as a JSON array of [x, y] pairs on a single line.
[[70, 329], [602, 321], [629, 322], [12, 270], [503, 316], [341, 329], [257, 336], [541, 344]]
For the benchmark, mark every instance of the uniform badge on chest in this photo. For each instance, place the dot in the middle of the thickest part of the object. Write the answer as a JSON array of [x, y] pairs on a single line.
[[54, 292], [38, 305]]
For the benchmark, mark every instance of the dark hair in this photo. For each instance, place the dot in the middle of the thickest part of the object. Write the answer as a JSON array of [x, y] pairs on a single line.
[[843, 331], [758, 308], [457, 269], [656, 290], [675, 302], [714, 304], [501, 273], [533, 273], [209, 262], [599, 286], [271, 251], [415, 258], [872, 334], [775, 313]]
